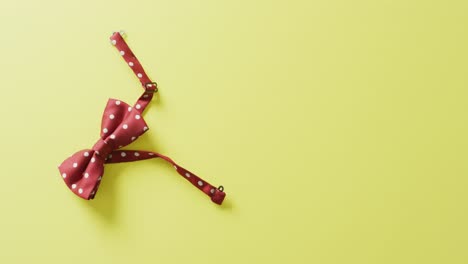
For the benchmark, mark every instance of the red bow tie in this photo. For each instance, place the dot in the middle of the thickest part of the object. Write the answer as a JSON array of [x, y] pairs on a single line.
[[121, 125]]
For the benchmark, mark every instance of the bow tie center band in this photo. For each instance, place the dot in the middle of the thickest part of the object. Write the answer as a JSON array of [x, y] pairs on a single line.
[[121, 125]]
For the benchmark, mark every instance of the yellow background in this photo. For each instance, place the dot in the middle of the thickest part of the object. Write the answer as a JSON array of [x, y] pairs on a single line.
[[338, 129]]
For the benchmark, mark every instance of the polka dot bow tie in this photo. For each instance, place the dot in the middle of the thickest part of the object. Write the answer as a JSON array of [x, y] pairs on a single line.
[[121, 125]]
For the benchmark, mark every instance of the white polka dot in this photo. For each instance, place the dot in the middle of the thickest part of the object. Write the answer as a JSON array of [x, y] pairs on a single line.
[[129, 108], [100, 177], [105, 130], [86, 154], [93, 193], [64, 175], [80, 190], [145, 96], [140, 75], [123, 154], [125, 126], [131, 64], [120, 146], [145, 128], [187, 175], [138, 106], [112, 136], [75, 165], [73, 186], [112, 116], [137, 154], [212, 190], [151, 154], [93, 159], [114, 42], [137, 117], [86, 175], [149, 85], [122, 52], [117, 102], [133, 138], [200, 183]]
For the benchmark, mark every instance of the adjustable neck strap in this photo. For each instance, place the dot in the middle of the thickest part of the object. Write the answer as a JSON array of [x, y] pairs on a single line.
[[216, 194], [150, 87]]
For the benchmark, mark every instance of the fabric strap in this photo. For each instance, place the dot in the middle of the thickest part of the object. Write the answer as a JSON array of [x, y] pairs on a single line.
[[217, 195], [129, 57]]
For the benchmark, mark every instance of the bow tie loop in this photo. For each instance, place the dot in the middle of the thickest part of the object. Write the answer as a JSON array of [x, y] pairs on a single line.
[[82, 173]]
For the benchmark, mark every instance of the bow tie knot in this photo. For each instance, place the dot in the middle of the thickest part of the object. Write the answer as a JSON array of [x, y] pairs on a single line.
[[102, 148]]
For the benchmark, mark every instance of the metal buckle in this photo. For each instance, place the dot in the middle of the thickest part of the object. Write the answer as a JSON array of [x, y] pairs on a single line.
[[150, 85]]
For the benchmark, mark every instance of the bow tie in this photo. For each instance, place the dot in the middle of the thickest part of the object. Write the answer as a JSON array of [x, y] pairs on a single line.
[[121, 125]]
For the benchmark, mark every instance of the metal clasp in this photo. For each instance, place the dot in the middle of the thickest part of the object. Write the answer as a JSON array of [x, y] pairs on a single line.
[[150, 85]]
